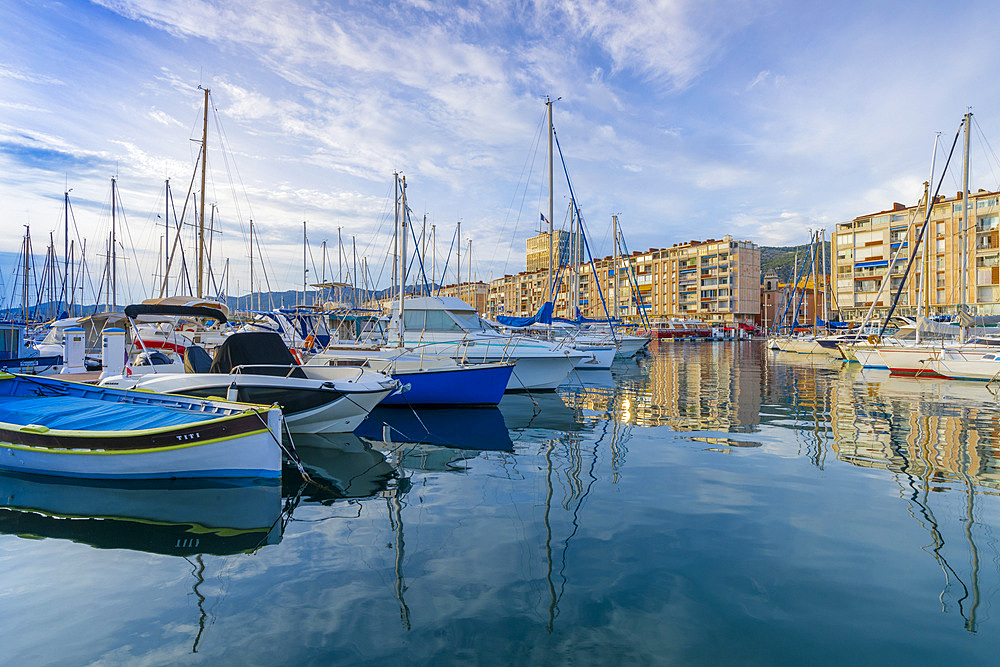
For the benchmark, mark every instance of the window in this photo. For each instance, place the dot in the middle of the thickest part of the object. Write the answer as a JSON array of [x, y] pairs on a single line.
[[939, 229]]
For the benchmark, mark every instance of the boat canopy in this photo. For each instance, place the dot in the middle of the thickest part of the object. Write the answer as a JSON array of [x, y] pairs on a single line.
[[251, 348]]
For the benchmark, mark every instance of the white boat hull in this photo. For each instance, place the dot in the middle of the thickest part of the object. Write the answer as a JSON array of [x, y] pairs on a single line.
[[252, 455]]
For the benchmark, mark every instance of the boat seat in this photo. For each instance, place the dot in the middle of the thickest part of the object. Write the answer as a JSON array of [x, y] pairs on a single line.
[[151, 358], [196, 359]]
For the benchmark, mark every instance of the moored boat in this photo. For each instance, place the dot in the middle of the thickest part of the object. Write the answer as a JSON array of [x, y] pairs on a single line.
[[50, 426], [257, 367]]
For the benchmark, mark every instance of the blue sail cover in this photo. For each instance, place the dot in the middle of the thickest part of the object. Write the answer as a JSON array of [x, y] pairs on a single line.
[[543, 316]]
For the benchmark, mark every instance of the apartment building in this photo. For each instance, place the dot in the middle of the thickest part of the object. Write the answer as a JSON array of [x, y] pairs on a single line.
[[564, 246], [716, 281], [961, 264]]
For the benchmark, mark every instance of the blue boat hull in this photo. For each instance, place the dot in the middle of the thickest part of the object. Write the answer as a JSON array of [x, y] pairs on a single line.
[[456, 386]]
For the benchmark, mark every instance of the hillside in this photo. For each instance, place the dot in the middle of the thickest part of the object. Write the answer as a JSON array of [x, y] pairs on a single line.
[[782, 260]]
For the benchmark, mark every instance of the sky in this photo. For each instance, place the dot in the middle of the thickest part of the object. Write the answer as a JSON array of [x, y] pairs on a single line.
[[687, 119]]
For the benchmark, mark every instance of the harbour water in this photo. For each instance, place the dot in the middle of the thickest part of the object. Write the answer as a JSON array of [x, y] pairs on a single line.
[[713, 503]]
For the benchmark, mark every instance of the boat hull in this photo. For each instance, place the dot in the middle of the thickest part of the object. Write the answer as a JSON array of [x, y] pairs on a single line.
[[308, 407], [463, 385], [232, 447]]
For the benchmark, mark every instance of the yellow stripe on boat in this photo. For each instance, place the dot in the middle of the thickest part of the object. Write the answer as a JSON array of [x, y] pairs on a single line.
[[106, 452]]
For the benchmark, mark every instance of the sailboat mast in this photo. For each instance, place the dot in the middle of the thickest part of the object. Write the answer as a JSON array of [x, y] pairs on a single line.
[[114, 250], [966, 225], [201, 212], [251, 265], [304, 270], [614, 265], [65, 277], [815, 270], [458, 258], [27, 265], [401, 215], [548, 104], [472, 291]]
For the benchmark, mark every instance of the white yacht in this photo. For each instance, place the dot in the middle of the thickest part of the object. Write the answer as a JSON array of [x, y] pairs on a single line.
[[449, 325]]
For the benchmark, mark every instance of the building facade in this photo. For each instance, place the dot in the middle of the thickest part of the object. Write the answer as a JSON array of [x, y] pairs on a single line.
[[717, 281], [564, 245], [961, 265]]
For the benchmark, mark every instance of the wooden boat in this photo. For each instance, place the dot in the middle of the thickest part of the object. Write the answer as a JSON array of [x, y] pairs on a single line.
[[50, 426]]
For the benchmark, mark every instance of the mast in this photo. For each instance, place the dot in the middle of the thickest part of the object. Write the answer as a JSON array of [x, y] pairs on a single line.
[[433, 256], [614, 265], [114, 250], [27, 265], [71, 295], [966, 227], [304, 269], [548, 104], [472, 289], [201, 207], [815, 271], [395, 229], [251, 264], [826, 276], [65, 277], [458, 259], [401, 219]]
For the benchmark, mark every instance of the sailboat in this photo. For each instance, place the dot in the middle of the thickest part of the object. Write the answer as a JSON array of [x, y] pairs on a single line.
[[427, 377]]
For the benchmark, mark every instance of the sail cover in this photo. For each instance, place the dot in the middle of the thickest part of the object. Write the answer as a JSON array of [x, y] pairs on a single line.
[[543, 316]]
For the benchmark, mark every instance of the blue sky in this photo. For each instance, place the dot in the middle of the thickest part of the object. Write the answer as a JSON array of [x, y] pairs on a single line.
[[688, 119]]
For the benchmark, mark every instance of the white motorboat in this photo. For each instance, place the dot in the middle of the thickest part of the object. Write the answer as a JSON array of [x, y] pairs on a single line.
[[257, 367], [450, 326]]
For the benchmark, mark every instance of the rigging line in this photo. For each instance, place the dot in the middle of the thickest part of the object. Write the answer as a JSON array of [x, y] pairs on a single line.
[[135, 256], [226, 151], [989, 152], [447, 259], [920, 235], [418, 256], [533, 155]]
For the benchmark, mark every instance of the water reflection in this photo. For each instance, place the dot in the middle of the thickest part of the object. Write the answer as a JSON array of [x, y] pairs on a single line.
[[935, 436], [170, 517]]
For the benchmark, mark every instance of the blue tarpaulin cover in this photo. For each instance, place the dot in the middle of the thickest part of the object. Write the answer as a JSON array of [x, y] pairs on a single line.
[[543, 316], [92, 414]]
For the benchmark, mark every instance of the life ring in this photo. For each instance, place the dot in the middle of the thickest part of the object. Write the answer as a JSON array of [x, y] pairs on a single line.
[[298, 357], [874, 339]]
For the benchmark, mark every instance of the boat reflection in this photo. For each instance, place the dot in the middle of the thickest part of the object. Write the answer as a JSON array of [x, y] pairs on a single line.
[[548, 411], [482, 429], [341, 465], [170, 517]]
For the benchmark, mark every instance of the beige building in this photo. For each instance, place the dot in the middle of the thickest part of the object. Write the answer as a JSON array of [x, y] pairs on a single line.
[[716, 281], [564, 246], [960, 267]]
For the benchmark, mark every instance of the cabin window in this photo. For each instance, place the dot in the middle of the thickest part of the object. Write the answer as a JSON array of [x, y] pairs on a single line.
[[413, 320]]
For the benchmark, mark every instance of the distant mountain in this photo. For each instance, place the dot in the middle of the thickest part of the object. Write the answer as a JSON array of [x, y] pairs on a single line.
[[782, 260]]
